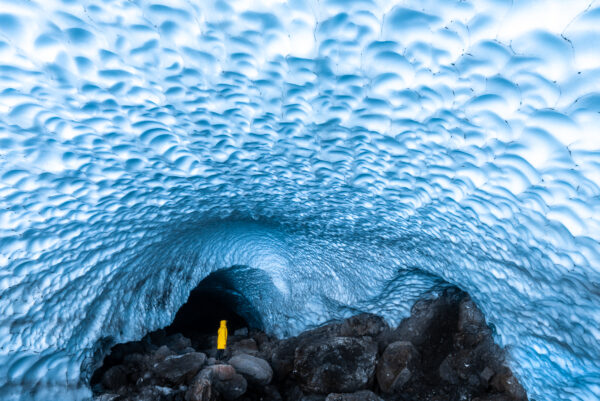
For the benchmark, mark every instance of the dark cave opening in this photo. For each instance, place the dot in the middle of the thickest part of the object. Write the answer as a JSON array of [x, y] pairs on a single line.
[[214, 299], [206, 306]]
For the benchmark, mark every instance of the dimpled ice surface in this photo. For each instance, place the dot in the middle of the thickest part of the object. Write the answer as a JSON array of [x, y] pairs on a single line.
[[348, 155]]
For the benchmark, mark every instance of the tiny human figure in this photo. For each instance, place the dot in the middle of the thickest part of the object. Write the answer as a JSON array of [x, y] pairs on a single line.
[[221, 339]]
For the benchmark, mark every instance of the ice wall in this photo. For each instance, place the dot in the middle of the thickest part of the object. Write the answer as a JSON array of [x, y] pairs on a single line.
[[355, 151]]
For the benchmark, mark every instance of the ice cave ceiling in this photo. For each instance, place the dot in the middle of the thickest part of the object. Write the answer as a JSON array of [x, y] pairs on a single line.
[[349, 154]]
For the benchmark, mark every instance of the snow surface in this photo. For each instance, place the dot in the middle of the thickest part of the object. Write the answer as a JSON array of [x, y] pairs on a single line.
[[356, 152]]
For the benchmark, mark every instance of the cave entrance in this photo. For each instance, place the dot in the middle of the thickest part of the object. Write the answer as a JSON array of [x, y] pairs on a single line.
[[216, 298], [219, 296]]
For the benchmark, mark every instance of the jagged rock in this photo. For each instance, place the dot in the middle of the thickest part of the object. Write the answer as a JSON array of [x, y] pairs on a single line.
[[506, 382], [255, 369], [282, 358], [397, 365], [176, 368], [364, 395], [365, 324], [200, 390], [265, 344], [115, 378], [218, 380], [455, 368], [424, 314], [178, 342], [232, 388], [161, 353], [335, 365], [472, 328]]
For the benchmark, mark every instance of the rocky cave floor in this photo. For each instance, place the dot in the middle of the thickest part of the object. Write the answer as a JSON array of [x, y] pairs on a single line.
[[444, 352]]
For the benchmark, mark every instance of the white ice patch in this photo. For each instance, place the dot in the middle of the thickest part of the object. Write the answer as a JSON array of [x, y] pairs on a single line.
[[357, 152]]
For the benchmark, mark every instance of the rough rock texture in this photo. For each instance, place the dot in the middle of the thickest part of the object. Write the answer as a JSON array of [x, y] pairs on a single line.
[[232, 388], [337, 364], [397, 365], [364, 324], [176, 368], [443, 352]]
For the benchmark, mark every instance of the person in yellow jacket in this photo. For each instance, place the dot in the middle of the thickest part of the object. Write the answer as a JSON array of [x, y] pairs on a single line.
[[221, 339]]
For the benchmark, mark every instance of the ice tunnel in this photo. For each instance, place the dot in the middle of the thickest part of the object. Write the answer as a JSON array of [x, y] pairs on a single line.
[[350, 155]]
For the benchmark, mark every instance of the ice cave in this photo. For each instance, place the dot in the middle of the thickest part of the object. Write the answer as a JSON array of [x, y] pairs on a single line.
[[320, 157]]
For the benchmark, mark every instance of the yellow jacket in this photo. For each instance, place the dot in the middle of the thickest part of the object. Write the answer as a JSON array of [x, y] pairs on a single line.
[[222, 335]]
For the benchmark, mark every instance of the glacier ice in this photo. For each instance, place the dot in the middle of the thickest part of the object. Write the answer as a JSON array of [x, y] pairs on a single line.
[[351, 154]]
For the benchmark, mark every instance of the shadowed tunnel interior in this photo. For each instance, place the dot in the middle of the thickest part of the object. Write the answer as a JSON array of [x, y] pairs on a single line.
[[213, 300]]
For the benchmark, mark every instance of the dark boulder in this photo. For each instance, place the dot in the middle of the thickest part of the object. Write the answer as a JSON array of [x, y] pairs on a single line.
[[472, 328], [161, 353], [335, 365], [282, 357], [397, 365], [256, 370], [176, 369], [505, 382], [178, 342], [232, 388]]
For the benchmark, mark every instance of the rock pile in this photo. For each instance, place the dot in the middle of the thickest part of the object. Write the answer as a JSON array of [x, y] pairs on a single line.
[[444, 351]]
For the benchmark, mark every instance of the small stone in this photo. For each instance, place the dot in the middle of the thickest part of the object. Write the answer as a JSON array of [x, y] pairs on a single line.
[[255, 369]]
